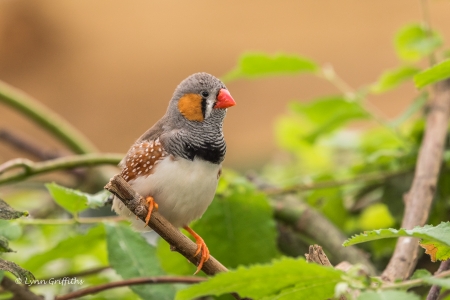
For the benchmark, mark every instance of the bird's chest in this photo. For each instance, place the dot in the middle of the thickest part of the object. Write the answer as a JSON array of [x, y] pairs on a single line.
[[182, 188]]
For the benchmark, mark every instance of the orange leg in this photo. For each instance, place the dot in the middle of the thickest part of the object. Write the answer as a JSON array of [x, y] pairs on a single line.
[[152, 205], [201, 248]]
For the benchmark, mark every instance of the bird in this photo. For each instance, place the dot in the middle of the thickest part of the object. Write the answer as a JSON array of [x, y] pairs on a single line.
[[176, 164]]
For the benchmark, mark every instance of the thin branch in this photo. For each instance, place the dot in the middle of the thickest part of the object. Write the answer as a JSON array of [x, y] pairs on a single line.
[[305, 219], [182, 244], [78, 220], [27, 146], [411, 283], [435, 290], [134, 281], [45, 118], [19, 291], [76, 275], [27, 168], [419, 198], [334, 183]]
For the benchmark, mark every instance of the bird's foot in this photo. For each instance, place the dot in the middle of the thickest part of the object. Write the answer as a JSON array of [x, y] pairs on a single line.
[[152, 206], [201, 249]]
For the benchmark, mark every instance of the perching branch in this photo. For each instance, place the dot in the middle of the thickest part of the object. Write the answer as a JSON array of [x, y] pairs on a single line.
[[19, 291], [418, 199], [305, 219], [27, 168], [182, 244], [46, 118], [134, 281]]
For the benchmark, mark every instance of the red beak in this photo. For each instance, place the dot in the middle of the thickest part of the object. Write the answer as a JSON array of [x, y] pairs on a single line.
[[224, 99]]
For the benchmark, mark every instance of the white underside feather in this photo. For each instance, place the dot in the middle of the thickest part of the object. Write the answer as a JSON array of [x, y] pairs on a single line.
[[183, 190]]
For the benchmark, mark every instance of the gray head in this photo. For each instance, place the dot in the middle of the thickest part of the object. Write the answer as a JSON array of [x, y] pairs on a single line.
[[200, 98]]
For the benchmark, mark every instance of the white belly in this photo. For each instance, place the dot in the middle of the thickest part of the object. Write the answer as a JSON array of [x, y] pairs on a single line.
[[183, 190]]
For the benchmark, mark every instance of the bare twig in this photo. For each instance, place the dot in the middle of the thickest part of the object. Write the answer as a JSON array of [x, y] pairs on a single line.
[[134, 281], [316, 255], [419, 198], [27, 146], [46, 118], [305, 219], [435, 290], [27, 168], [182, 244], [19, 291], [370, 177], [76, 275]]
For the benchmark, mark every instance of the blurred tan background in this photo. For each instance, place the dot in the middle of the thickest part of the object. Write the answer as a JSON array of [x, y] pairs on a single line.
[[110, 67]]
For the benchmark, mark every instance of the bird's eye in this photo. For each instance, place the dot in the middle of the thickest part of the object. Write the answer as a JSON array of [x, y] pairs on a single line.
[[205, 94]]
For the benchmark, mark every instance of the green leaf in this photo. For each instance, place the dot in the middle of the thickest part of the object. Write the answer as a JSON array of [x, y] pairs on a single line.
[[286, 278], [10, 230], [375, 216], [9, 213], [435, 238], [69, 248], [22, 274], [387, 295], [393, 78], [254, 65], [238, 226], [75, 201], [414, 41], [4, 245], [328, 114], [434, 74], [131, 256]]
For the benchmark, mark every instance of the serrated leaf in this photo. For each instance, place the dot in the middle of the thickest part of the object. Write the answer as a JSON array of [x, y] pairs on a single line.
[[414, 41], [286, 278], [393, 78], [436, 250], [131, 256], [434, 74], [387, 295], [20, 273], [9, 213], [328, 114], [438, 236], [4, 245], [75, 201], [73, 245], [253, 65]]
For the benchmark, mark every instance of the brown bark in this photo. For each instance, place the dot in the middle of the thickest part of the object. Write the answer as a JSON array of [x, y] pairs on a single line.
[[419, 198]]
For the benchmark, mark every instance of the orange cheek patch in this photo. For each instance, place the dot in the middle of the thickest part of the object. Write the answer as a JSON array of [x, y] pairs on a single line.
[[190, 106]]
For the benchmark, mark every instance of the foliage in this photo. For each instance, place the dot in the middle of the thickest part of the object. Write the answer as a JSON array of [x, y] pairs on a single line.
[[300, 281], [342, 158]]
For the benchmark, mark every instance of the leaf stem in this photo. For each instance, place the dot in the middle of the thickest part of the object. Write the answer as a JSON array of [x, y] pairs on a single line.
[[411, 283], [45, 118]]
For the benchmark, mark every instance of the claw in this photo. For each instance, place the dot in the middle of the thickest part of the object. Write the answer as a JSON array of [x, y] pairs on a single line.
[[201, 248], [152, 205]]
